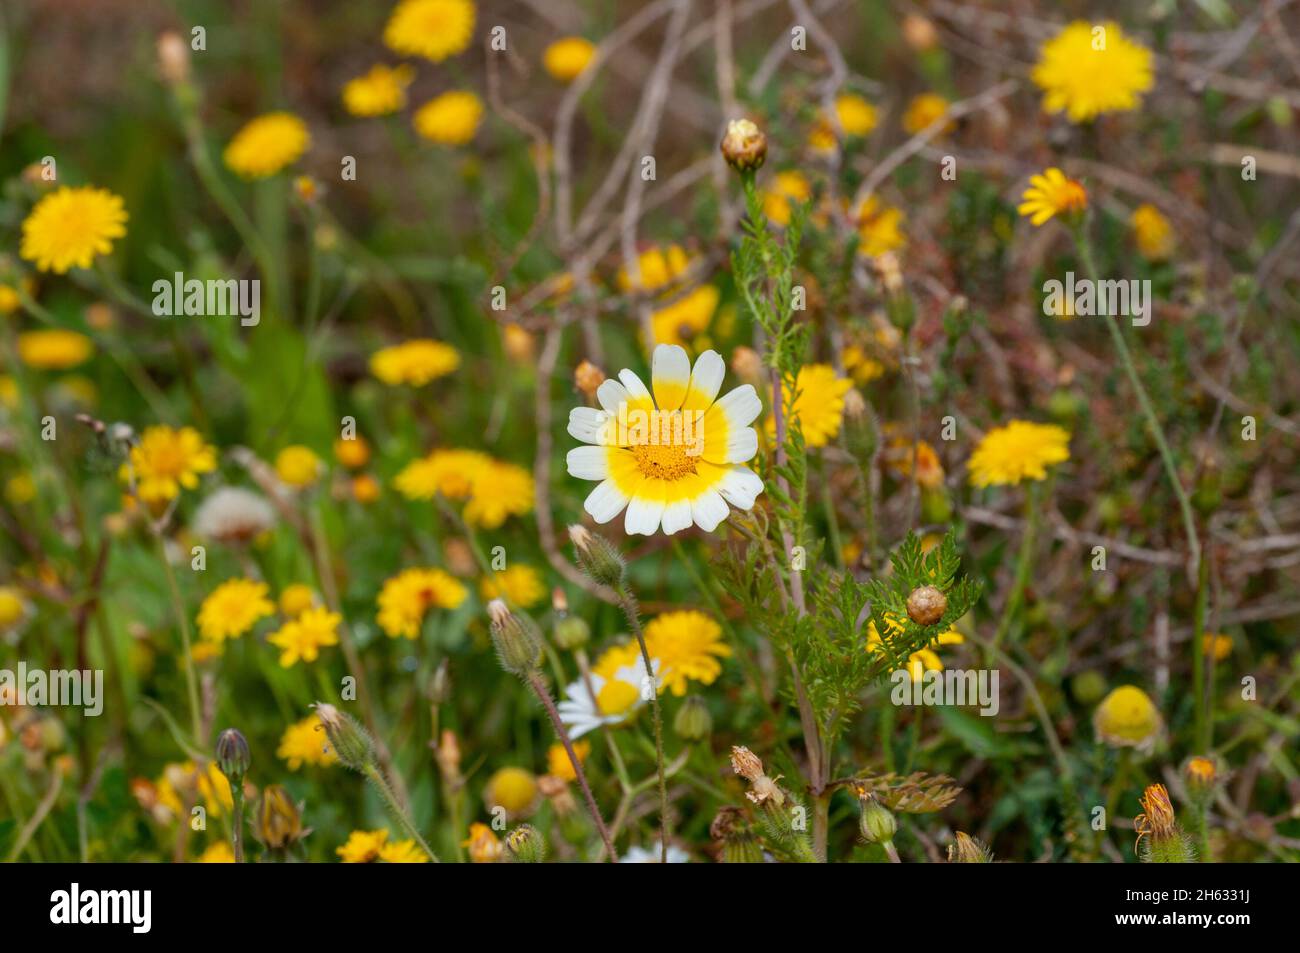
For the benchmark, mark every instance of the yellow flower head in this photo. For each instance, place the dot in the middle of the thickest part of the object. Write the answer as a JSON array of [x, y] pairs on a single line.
[[500, 490], [900, 454], [818, 404], [861, 366], [1216, 645], [1019, 451], [857, 116], [305, 743], [565, 59], [434, 29], [924, 110], [414, 362], [378, 92], [266, 145], [233, 608], [449, 472], [688, 645], [558, 764], [484, 846], [302, 638], [1152, 231], [880, 227], [403, 852], [184, 785], [362, 847], [788, 189], [9, 300], [451, 119], [164, 460], [924, 659], [295, 599], [659, 268], [365, 488], [218, 853], [71, 227], [686, 316], [13, 607], [53, 349], [354, 453], [513, 789], [1052, 194], [1127, 718], [1088, 69], [519, 584], [298, 466], [407, 596]]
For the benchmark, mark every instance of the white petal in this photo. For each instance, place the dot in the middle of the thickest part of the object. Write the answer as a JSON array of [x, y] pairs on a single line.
[[605, 502], [741, 406], [677, 516], [589, 425], [706, 379], [589, 463], [742, 444], [708, 510], [740, 486], [612, 395], [635, 388], [643, 515], [670, 372]]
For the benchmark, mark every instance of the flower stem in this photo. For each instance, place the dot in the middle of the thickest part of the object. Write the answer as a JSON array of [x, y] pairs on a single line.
[[385, 791], [544, 696], [634, 621], [1024, 563], [182, 620], [237, 828]]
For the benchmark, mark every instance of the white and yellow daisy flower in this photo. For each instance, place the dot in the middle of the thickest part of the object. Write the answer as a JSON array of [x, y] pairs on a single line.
[[671, 459], [609, 701]]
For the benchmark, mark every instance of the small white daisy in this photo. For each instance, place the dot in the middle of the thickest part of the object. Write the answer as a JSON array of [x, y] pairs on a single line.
[[640, 855], [615, 699]]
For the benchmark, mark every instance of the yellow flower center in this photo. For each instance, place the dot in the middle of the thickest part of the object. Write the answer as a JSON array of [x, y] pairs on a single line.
[[664, 461], [615, 697]]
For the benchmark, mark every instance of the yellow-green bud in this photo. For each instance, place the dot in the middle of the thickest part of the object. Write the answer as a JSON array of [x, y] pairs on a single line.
[[598, 557], [526, 845], [352, 743], [517, 639], [572, 632], [693, 722], [877, 823]]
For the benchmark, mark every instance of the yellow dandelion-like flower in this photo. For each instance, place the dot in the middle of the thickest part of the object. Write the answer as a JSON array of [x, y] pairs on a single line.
[[500, 490], [685, 317], [298, 466], [71, 227], [818, 404], [9, 300], [362, 847], [13, 607], [565, 59], [1217, 645], [165, 460], [924, 110], [365, 488], [857, 116], [924, 659], [296, 599], [1021, 450], [233, 608], [788, 189], [414, 362], [1088, 69], [406, 597], [305, 743], [451, 119], [353, 453], [558, 764], [861, 366], [880, 227], [484, 846], [302, 638], [403, 852], [520, 584], [378, 92], [185, 784], [218, 853], [1052, 193], [1127, 718], [53, 349], [449, 472], [658, 269], [434, 29], [266, 145], [514, 789], [1152, 232], [688, 645]]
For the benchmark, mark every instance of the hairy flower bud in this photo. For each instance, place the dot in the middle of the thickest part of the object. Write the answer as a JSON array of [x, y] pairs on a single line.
[[745, 763], [744, 146], [352, 743], [517, 639], [877, 824], [967, 850], [693, 722], [526, 845], [233, 757], [173, 58], [587, 377], [926, 605], [598, 557]]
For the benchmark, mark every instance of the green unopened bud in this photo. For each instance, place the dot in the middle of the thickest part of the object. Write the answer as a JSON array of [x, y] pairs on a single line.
[[517, 639], [526, 845], [876, 823], [967, 850], [572, 632], [598, 557], [693, 722], [233, 757], [279, 822], [744, 146], [352, 743]]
